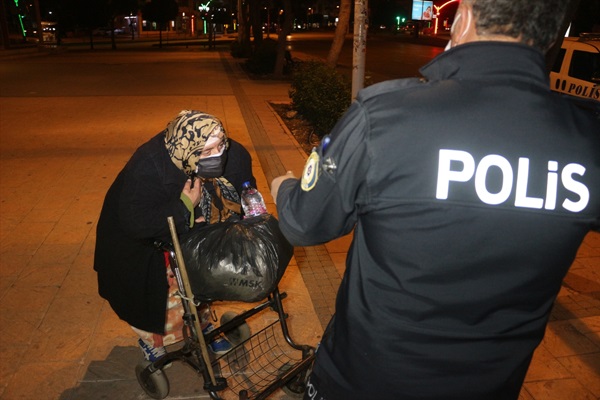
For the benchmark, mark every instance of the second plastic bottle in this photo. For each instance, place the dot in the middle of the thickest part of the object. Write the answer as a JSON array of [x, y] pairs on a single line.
[[252, 201]]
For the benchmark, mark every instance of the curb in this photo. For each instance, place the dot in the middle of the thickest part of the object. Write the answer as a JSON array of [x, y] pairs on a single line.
[[284, 126]]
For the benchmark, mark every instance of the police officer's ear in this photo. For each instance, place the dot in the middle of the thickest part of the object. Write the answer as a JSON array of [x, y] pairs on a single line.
[[463, 28]]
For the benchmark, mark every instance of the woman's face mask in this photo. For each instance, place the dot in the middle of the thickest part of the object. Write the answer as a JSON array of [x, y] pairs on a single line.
[[213, 157], [211, 167]]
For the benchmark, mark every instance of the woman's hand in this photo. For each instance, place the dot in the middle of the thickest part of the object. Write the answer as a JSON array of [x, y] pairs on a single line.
[[193, 193]]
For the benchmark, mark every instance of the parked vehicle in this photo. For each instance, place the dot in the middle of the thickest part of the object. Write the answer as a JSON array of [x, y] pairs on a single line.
[[576, 71], [49, 31], [106, 31], [407, 28]]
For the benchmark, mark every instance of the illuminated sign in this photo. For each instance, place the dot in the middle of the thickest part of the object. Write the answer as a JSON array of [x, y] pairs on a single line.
[[422, 10]]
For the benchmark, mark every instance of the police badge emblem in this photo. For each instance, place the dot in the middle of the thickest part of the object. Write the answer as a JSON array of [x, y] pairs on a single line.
[[310, 175]]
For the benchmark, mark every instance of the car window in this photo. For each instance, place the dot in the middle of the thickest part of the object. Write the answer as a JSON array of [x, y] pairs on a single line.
[[559, 60], [584, 65]]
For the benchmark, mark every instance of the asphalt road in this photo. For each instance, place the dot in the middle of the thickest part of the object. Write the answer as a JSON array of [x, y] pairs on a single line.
[[387, 56], [79, 71], [106, 73]]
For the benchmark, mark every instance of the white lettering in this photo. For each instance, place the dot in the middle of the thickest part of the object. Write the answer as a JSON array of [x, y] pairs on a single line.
[[311, 391], [552, 186], [576, 187], [445, 174], [457, 166], [502, 163], [521, 199]]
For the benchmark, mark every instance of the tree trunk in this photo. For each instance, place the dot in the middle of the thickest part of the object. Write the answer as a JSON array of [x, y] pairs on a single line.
[[211, 34], [243, 38], [5, 39], [241, 23], [113, 41], [256, 22], [340, 33], [160, 29], [359, 46], [38, 20], [247, 28], [286, 28]]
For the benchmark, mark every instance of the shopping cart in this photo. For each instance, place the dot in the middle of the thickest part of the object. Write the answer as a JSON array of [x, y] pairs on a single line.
[[258, 364]]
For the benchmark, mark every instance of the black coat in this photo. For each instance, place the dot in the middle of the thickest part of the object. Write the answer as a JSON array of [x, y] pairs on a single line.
[[131, 270]]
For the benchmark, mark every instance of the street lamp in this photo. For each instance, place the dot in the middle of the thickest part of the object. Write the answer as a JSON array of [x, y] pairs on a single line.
[[203, 8], [437, 13]]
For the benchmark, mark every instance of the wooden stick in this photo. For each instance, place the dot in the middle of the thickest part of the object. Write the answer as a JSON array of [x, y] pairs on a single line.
[[188, 292]]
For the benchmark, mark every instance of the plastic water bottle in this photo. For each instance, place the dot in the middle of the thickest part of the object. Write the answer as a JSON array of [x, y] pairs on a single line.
[[252, 201]]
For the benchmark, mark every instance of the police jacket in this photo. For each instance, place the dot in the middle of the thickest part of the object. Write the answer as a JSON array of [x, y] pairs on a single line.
[[131, 270], [469, 194]]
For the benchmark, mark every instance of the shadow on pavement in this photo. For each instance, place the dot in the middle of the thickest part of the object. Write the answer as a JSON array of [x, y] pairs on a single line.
[[114, 378]]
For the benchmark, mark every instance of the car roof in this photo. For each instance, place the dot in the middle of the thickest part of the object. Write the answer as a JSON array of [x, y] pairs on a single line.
[[589, 41]]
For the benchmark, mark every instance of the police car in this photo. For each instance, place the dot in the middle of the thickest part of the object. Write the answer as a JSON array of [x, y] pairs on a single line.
[[576, 71]]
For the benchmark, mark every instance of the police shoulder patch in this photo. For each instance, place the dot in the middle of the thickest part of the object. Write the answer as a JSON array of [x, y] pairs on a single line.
[[310, 175]]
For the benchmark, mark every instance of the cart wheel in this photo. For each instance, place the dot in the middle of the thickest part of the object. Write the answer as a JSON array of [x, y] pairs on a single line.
[[155, 384], [292, 388], [238, 334]]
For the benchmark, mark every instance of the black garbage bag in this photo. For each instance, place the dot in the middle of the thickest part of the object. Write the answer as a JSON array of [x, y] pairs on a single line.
[[241, 260]]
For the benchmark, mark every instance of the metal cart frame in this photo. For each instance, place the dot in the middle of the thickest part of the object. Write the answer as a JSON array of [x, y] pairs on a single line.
[[255, 368]]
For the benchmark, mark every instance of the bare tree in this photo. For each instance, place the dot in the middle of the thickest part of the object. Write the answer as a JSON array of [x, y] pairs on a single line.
[[340, 33], [256, 22], [115, 8], [161, 12], [243, 38], [286, 28]]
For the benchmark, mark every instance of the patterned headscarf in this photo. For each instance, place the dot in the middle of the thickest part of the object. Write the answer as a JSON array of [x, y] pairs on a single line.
[[185, 138]]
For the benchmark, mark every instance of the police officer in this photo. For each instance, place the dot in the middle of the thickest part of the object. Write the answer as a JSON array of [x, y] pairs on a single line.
[[469, 193]]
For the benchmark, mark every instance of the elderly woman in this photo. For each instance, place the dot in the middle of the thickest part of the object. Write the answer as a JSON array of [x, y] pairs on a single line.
[[191, 171]]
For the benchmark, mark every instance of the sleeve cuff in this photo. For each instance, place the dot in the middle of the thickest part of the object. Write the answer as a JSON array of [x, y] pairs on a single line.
[[188, 204]]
